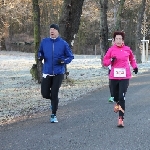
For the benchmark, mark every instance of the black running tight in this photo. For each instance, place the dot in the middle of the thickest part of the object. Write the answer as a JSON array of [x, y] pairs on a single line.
[[50, 88], [119, 89]]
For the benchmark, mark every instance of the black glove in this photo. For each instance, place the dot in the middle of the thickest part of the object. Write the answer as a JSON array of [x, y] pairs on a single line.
[[40, 58], [113, 59], [60, 61], [135, 70]]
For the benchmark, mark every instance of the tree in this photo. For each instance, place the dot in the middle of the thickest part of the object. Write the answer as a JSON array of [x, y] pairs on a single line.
[[11, 11], [70, 20], [118, 15], [36, 69], [16, 22], [3, 24], [138, 31], [103, 27]]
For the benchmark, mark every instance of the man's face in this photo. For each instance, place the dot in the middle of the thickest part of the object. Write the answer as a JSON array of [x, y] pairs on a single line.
[[118, 40], [53, 33]]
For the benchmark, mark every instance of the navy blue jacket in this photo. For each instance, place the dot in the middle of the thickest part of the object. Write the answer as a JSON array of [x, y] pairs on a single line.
[[51, 50]]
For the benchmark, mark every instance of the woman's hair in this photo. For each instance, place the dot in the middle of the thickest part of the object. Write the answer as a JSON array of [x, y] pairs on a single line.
[[119, 33]]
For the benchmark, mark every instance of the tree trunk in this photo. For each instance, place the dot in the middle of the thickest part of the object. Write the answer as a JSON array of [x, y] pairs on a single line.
[[70, 20], [36, 18], [138, 31], [2, 44], [3, 32], [103, 27], [119, 12]]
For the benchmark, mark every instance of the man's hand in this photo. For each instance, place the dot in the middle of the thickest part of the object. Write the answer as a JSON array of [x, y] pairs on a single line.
[[60, 61], [40, 58]]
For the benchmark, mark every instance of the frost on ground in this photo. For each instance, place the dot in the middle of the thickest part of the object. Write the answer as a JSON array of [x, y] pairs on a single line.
[[20, 95]]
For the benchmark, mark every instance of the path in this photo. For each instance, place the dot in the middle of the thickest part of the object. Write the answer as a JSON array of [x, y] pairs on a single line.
[[87, 124]]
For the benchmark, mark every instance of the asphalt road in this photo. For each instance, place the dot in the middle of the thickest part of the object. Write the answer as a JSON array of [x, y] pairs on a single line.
[[87, 124]]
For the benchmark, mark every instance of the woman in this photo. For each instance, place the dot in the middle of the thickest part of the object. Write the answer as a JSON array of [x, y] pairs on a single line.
[[120, 57]]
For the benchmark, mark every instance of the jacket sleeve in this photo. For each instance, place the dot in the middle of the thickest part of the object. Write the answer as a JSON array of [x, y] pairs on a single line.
[[132, 60], [40, 51], [107, 58], [68, 54]]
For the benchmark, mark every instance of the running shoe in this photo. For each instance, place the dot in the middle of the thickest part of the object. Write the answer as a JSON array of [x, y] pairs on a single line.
[[111, 99], [53, 118], [120, 122], [116, 108]]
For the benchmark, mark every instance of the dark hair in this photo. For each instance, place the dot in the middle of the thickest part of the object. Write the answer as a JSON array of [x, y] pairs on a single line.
[[119, 33]]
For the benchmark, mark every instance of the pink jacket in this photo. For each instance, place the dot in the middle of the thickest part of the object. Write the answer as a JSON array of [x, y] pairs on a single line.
[[124, 58]]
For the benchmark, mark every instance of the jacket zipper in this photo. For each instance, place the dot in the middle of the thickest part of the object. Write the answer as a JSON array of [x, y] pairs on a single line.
[[53, 58]]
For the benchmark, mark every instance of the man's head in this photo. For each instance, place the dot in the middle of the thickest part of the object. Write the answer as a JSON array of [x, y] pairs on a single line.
[[119, 38], [54, 30]]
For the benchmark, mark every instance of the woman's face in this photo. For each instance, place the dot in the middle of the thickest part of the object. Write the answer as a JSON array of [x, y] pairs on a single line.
[[118, 40]]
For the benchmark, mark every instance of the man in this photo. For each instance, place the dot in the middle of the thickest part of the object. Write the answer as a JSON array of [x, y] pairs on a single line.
[[56, 54]]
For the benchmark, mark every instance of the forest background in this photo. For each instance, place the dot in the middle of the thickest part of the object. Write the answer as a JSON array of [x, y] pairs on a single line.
[[17, 28]]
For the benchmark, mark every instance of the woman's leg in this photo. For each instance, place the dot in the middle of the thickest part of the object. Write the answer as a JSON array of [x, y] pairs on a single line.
[[114, 86], [123, 85], [110, 88]]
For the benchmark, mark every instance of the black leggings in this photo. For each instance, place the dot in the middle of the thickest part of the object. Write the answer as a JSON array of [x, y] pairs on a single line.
[[110, 88], [50, 88], [119, 89]]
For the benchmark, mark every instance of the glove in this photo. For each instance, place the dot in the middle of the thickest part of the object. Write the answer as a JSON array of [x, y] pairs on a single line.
[[60, 61], [113, 59], [135, 70], [40, 58]]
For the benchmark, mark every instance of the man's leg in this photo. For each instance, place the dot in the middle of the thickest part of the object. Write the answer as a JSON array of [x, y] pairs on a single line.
[[45, 87], [57, 80]]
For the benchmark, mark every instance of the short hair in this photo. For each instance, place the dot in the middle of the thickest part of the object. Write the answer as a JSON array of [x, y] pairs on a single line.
[[119, 33]]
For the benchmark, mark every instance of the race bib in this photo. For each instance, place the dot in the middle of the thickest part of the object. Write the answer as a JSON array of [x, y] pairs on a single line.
[[119, 72]]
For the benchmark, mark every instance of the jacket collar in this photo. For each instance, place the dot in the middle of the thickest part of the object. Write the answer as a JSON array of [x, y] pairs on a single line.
[[120, 46], [54, 39]]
